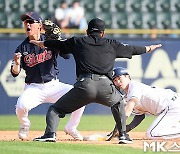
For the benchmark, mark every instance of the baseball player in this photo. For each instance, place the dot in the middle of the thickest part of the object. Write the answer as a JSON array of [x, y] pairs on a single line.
[[94, 57], [41, 83], [142, 99]]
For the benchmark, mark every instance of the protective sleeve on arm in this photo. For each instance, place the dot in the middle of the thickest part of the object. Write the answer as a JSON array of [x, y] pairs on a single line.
[[135, 122]]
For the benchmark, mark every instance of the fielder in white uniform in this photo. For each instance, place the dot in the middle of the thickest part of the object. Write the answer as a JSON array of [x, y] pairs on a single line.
[[41, 83], [143, 99]]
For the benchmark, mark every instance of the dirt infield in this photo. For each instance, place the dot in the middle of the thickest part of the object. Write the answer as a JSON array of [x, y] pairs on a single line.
[[138, 138]]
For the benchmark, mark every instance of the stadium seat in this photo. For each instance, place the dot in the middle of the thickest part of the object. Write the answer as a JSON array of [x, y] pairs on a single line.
[[29, 5], [107, 17], [177, 5], [120, 5], [122, 20], [149, 20], [164, 20], [46, 15], [89, 5], [175, 20], [3, 20], [43, 5], [135, 5], [105, 5], [164, 5], [55, 3], [15, 20], [89, 16], [136, 20], [150, 5], [2, 5], [14, 5]]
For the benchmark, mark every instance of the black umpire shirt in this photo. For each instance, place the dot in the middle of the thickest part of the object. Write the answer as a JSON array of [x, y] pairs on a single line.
[[94, 54]]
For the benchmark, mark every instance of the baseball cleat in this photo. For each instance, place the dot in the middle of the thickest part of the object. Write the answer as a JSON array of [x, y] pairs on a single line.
[[75, 134], [124, 139], [23, 133], [49, 137]]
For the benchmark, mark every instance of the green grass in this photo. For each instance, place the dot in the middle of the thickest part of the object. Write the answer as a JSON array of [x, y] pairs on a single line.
[[88, 123], [62, 148]]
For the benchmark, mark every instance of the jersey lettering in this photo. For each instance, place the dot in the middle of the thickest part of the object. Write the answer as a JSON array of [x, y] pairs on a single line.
[[32, 59]]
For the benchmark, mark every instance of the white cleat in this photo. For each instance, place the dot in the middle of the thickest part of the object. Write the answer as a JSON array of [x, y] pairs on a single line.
[[75, 134], [23, 133]]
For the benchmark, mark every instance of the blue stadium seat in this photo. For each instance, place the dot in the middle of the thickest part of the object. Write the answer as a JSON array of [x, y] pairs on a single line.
[[14, 5], [29, 5], [120, 5], [122, 20]]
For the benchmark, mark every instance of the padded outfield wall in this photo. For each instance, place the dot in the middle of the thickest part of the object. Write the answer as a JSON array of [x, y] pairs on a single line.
[[160, 68]]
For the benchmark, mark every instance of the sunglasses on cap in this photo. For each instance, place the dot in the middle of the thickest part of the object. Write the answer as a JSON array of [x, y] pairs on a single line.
[[30, 21]]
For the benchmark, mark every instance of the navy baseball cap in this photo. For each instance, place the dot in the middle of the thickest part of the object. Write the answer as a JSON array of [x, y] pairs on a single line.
[[118, 71], [96, 25], [31, 15]]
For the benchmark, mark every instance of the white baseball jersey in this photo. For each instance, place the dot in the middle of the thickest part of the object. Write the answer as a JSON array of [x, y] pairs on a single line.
[[156, 101], [152, 100]]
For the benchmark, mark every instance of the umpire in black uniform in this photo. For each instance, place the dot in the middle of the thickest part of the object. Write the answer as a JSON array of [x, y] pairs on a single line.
[[94, 57]]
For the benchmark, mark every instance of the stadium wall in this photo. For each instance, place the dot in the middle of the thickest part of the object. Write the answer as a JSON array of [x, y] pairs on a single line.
[[160, 68]]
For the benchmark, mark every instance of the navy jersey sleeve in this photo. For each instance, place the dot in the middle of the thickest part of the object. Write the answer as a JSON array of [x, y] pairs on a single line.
[[127, 51]]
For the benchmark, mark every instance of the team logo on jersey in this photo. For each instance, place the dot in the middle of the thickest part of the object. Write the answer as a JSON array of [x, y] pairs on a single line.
[[32, 59]]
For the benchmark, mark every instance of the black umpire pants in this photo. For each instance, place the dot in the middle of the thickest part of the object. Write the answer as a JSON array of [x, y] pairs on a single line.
[[89, 88]]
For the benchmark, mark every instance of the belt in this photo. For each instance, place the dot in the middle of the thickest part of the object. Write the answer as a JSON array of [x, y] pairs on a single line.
[[92, 76]]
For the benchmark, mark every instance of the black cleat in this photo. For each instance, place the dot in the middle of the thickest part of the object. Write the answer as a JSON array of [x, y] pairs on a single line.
[[124, 139], [49, 137]]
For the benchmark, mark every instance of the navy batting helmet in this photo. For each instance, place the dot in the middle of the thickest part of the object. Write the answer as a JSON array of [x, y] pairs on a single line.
[[118, 71]]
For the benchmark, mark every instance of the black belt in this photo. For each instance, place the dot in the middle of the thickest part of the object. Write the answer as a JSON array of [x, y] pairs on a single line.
[[92, 76]]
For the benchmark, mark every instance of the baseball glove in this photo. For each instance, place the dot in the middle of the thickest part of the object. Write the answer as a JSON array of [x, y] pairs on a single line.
[[52, 31], [113, 134]]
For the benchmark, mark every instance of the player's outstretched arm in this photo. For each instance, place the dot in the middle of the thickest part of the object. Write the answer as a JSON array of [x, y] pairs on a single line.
[[152, 47]]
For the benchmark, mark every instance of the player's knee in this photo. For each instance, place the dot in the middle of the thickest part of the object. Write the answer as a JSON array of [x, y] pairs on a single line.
[[21, 109], [153, 134]]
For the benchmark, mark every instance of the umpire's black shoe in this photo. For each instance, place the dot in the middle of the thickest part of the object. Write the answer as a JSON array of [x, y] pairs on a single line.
[[49, 137], [124, 139]]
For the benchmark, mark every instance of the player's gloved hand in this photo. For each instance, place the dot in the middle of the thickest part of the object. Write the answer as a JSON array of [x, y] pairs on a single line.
[[113, 134], [52, 31]]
